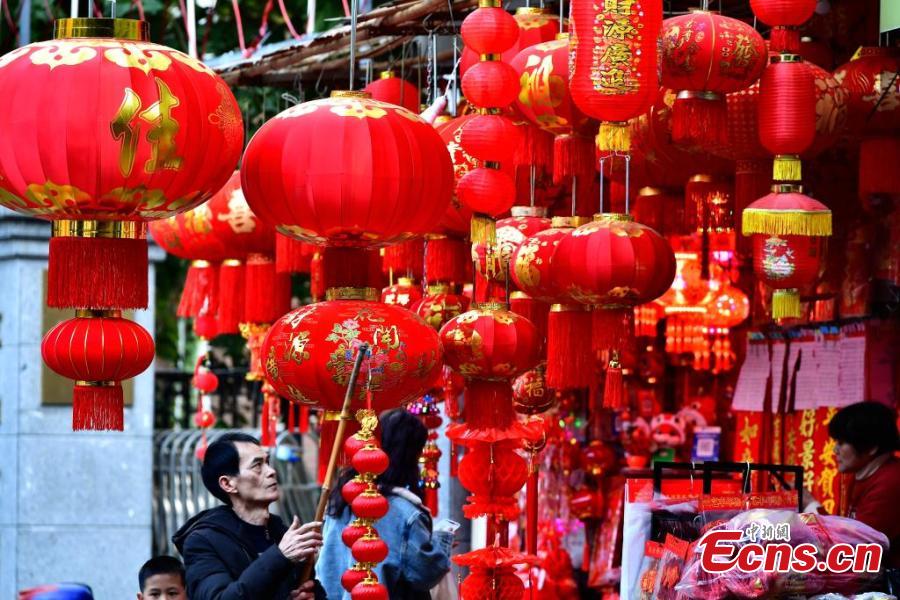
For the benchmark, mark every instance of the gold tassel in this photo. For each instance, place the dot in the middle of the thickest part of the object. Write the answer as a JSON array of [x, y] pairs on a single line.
[[614, 137], [786, 222], [786, 304], [483, 230], [787, 167]]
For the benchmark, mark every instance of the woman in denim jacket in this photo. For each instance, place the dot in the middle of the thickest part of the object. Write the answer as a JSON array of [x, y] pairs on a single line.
[[418, 558]]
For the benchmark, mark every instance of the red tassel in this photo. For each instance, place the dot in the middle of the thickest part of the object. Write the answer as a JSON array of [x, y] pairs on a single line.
[[406, 259], [317, 278], [534, 310], [611, 328], [268, 421], [531, 509], [292, 418], [752, 181], [303, 426], [346, 267], [206, 327], [614, 387], [292, 256], [98, 408], [200, 294], [700, 119], [489, 405], [100, 273], [231, 296], [785, 39], [431, 500], [536, 148], [446, 259], [454, 460], [875, 178], [573, 155], [267, 295], [569, 357]]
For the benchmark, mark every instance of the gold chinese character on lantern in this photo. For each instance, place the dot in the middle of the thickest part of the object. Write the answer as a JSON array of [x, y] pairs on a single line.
[[618, 28], [616, 54], [621, 7], [808, 423], [748, 432], [806, 461]]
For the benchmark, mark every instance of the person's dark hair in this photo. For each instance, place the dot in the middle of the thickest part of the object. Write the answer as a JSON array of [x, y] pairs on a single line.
[[160, 565], [866, 425], [402, 437], [222, 458]]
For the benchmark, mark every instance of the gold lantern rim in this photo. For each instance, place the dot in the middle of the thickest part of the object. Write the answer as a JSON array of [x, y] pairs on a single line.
[[120, 29]]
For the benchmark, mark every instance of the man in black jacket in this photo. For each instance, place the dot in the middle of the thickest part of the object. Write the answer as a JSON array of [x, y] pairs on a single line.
[[240, 551]]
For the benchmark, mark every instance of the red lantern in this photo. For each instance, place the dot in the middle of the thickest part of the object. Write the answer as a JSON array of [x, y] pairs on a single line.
[[439, 306], [104, 131], [613, 69], [530, 393], [380, 175], [787, 113], [494, 260], [784, 16], [493, 473], [491, 138], [354, 530], [530, 265], [369, 549], [98, 349], [369, 589], [534, 26], [370, 459], [492, 573], [874, 91], [353, 488], [394, 90], [403, 293], [789, 232], [706, 56], [354, 576], [308, 353], [370, 504]]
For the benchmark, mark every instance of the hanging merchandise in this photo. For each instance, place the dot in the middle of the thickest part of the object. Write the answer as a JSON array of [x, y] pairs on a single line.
[[789, 232], [428, 411], [493, 573], [787, 113], [405, 293], [394, 90], [534, 25], [406, 259], [206, 383], [784, 17], [683, 307], [531, 395], [493, 262], [439, 305], [293, 256], [705, 56], [142, 116], [614, 72]]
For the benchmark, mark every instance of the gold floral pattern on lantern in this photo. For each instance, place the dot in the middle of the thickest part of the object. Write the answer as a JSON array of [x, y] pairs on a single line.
[[62, 54], [55, 196], [133, 56], [226, 116], [355, 108]]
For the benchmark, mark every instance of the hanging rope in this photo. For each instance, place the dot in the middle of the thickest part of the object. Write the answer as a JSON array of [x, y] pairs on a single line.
[[263, 28], [140, 8], [240, 26], [287, 20]]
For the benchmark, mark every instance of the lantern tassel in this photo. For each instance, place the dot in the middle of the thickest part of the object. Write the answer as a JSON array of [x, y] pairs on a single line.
[[611, 328], [614, 137], [785, 39], [200, 294], [700, 119], [787, 167], [786, 304], [98, 406], [786, 222], [614, 386], [231, 296], [569, 357], [573, 155], [445, 259], [97, 272], [267, 294], [431, 500], [483, 229], [292, 256], [534, 310]]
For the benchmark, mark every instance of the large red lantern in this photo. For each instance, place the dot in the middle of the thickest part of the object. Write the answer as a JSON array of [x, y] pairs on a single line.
[[874, 90], [784, 17], [787, 113], [704, 57], [394, 90], [98, 349], [404, 293], [613, 68], [308, 353], [789, 231], [104, 131], [380, 175]]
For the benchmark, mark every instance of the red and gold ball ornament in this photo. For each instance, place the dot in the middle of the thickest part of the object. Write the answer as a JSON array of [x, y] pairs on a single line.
[[530, 265], [405, 293], [787, 113], [380, 176], [531, 395], [784, 17], [308, 353], [704, 57], [789, 231], [494, 262], [439, 305], [533, 25], [613, 68], [394, 90], [493, 473]]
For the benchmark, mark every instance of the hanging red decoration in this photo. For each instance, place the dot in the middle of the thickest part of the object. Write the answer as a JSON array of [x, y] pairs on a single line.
[[440, 305], [784, 17], [704, 57], [787, 113], [531, 395], [404, 259], [493, 473], [534, 25], [394, 90], [370, 504], [293, 256], [98, 349], [491, 138], [613, 69], [404, 293], [494, 261], [874, 90], [789, 232], [313, 188], [493, 573], [369, 589]]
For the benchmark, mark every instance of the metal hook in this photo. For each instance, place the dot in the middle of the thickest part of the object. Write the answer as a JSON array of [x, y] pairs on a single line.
[[320, 90], [429, 30]]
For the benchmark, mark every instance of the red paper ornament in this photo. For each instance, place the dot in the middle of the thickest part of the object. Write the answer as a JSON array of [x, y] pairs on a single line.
[[488, 191], [369, 549], [493, 473], [530, 265], [370, 459], [874, 91], [157, 133], [312, 187], [354, 530], [490, 84], [613, 69], [489, 30], [531, 395], [439, 306], [535, 25], [369, 589], [491, 138], [354, 576], [406, 258], [787, 113], [370, 505], [784, 16], [98, 349], [354, 488], [394, 90], [704, 57]]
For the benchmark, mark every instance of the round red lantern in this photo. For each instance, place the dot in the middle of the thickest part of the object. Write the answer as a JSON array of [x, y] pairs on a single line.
[[492, 573], [874, 90], [531, 395], [494, 260], [440, 305], [404, 293], [369, 589], [394, 90], [534, 26], [706, 56], [784, 17], [98, 349], [490, 84], [147, 120], [789, 230], [312, 186], [369, 549], [370, 504], [354, 576], [353, 488], [370, 459], [787, 113], [493, 473], [530, 265], [613, 69], [491, 138], [308, 353], [354, 530]]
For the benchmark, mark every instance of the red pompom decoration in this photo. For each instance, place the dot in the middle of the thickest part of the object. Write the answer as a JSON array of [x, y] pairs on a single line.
[[490, 84], [787, 113], [491, 138], [489, 30], [499, 584], [487, 191], [370, 504], [369, 549], [370, 459]]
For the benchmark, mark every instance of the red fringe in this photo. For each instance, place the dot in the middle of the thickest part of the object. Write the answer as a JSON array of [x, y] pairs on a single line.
[[700, 121], [534, 310], [611, 329], [267, 294], [454, 460], [489, 404], [446, 260], [569, 357], [317, 278], [327, 438], [614, 388], [752, 181], [573, 155], [201, 290], [292, 256], [231, 296], [785, 39], [100, 273], [292, 418], [346, 267], [531, 511], [536, 148], [431, 500], [406, 259], [98, 408]]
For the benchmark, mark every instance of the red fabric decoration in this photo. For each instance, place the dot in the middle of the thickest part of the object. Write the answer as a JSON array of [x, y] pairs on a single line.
[[492, 573], [352, 489], [292, 256], [535, 25], [370, 504], [569, 356], [369, 549], [534, 310], [490, 84], [102, 136], [354, 576], [491, 138], [309, 354], [354, 530], [706, 56], [614, 63], [531, 395], [98, 350], [231, 297], [267, 294], [446, 259], [489, 30], [873, 90], [439, 306], [784, 16], [370, 459], [369, 589], [379, 176], [405, 258], [394, 90], [874, 178], [404, 293], [487, 191], [531, 268], [494, 260], [787, 113], [493, 474]]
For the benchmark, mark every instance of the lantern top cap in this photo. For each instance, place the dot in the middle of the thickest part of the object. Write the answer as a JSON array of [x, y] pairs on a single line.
[[404, 281], [613, 217], [531, 10], [120, 29], [519, 296], [650, 191], [350, 293], [438, 288], [528, 211], [489, 4], [557, 222], [787, 188], [562, 35], [90, 313], [388, 74], [350, 94], [698, 94], [489, 305], [787, 58]]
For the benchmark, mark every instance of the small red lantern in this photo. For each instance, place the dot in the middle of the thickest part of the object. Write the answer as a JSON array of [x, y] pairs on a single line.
[[403, 293], [494, 261], [440, 305], [493, 473], [706, 56], [394, 90], [530, 393], [874, 90], [354, 530], [354, 576], [789, 232], [534, 25], [369, 589], [530, 265], [493, 573], [370, 504], [787, 113], [354, 488], [312, 187], [369, 549], [784, 17], [98, 349], [613, 69], [370, 459]]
